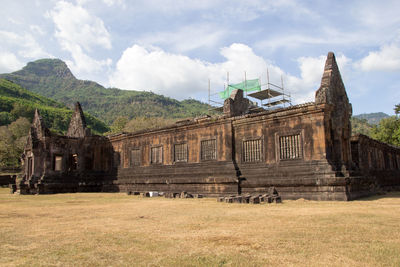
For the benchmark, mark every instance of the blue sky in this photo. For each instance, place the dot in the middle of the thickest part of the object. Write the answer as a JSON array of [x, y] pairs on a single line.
[[173, 47]]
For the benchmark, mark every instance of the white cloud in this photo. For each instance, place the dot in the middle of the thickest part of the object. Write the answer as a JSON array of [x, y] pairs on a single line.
[[82, 63], [186, 38], [375, 14], [251, 10], [181, 77], [109, 3], [79, 32], [115, 2], [9, 62], [37, 29], [386, 59], [241, 58], [25, 45], [14, 21], [158, 71], [226, 9], [76, 26]]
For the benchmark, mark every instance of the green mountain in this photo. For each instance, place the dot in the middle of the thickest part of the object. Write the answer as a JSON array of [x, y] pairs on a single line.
[[16, 102], [53, 79], [360, 126], [372, 118]]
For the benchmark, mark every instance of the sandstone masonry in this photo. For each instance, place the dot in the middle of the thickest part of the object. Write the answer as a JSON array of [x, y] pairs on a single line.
[[304, 151]]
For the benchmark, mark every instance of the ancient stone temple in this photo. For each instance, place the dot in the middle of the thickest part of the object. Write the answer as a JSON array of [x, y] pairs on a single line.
[[304, 151]]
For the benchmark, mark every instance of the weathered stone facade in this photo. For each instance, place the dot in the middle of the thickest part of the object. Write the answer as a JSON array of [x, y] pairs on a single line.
[[303, 151], [75, 162]]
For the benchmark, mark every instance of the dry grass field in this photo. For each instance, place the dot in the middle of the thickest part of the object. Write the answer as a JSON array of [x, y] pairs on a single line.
[[100, 229]]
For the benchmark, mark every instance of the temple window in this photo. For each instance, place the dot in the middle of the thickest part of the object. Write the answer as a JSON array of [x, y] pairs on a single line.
[[208, 149], [290, 147], [180, 153], [156, 155], [58, 163], [251, 150], [74, 162], [30, 166], [398, 161], [135, 157]]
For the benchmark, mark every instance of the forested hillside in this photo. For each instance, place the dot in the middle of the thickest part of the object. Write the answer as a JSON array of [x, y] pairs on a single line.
[[17, 102], [360, 126], [379, 126], [372, 118], [53, 79]]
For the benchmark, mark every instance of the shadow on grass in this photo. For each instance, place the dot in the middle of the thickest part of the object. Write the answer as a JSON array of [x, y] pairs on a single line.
[[391, 194]]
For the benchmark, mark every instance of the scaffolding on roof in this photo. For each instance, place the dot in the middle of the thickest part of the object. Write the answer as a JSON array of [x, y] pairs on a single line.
[[275, 94]]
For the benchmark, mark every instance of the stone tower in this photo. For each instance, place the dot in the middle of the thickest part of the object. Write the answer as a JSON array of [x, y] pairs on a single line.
[[333, 93], [77, 126]]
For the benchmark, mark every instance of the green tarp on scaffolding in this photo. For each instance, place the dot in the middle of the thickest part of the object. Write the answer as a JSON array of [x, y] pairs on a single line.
[[247, 86]]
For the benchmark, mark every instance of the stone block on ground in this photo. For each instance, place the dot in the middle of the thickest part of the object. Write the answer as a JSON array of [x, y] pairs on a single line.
[[237, 199], [272, 191], [255, 200], [229, 200], [246, 199], [153, 194], [186, 195], [278, 199]]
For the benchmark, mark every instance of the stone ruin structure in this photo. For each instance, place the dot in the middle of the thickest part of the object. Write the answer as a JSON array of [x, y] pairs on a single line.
[[304, 151]]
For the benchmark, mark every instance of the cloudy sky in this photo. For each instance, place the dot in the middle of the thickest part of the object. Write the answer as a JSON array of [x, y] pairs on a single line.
[[173, 47]]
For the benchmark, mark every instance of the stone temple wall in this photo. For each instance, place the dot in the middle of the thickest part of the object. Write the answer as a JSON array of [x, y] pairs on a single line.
[[377, 165], [283, 148], [304, 151]]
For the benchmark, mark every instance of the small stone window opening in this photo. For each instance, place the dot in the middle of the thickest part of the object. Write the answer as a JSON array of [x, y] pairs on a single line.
[[57, 163], [156, 155], [30, 166], [290, 147], [74, 162], [251, 150], [398, 162], [180, 153], [208, 149], [135, 157]]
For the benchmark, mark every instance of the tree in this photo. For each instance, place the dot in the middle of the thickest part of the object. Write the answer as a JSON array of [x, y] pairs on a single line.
[[12, 141], [21, 110], [6, 118], [19, 128], [397, 109], [119, 124], [360, 126], [387, 131]]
